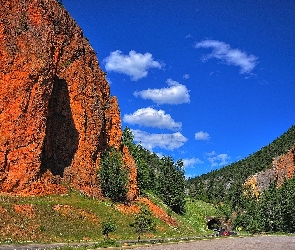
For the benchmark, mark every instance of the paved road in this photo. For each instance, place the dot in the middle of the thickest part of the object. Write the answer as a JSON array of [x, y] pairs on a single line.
[[247, 243]]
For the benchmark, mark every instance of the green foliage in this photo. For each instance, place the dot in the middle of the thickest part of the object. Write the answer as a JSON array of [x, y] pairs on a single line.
[[67, 63], [171, 183], [107, 243], [273, 212], [23, 24], [127, 138], [161, 176], [144, 221], [196, 211], [224, 211], [78, 219], [146, 161], [226, 184], [108, 226], [113, 176]]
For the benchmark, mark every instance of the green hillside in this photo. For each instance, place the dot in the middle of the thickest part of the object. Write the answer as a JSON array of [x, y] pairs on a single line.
[[225, 184], [271, 211], [76, 218]]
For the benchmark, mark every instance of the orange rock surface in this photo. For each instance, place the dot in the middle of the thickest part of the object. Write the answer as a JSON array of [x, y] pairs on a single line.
[[157, 211], [25, 210], [56, 112], [285, 166], [282, 168], [129, 163]]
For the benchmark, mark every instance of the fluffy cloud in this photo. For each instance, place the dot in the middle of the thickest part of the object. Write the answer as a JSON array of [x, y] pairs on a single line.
[[202, 136], [176, 93], [150, 117], [164, 141], [190, 163], [217, 159], [135, 65], [225, 53]]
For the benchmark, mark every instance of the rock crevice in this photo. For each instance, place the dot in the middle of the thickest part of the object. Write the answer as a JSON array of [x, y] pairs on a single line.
[[56, 111]]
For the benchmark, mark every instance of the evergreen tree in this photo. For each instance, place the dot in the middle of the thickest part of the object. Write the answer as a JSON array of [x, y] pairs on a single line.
[[171, 184], [113, 176]]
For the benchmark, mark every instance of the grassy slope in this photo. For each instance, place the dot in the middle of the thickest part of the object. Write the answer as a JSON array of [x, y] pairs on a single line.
[[196, 211], [75, 218]]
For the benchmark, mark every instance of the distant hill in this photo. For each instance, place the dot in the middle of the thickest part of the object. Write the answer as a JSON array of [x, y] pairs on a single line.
[[226, 184]]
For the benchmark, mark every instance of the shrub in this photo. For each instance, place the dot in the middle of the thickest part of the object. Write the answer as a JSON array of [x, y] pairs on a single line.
[[108, 226]]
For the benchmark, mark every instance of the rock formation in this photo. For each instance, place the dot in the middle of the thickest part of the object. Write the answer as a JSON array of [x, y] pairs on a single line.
[[282, 168], [56, 111]]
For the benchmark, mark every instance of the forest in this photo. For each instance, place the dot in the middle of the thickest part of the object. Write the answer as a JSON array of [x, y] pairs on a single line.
[[271, 211]]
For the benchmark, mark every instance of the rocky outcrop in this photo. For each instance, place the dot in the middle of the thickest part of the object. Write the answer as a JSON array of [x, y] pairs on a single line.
[[56, 112], [282, 168], [130, 165]]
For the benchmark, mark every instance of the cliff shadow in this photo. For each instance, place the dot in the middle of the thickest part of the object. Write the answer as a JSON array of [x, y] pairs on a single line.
[[62, 138]]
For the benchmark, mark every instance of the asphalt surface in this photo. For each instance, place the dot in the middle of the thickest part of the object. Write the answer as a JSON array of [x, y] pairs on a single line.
[[223, 243], [219, 243]]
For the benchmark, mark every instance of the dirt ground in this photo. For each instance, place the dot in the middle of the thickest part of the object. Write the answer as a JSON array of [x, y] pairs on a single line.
[[247, 243]]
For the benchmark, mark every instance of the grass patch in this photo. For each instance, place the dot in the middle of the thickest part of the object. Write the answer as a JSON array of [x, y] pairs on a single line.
[[196, 211], [76, 218]]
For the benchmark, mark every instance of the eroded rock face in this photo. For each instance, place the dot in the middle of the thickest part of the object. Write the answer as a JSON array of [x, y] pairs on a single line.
[[56, 112], [282, 168]]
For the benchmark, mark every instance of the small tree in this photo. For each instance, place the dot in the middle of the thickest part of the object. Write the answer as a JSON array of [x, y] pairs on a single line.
[[144, 221], [108, 226]]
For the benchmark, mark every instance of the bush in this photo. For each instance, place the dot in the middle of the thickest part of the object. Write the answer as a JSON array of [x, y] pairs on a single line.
[[108, 226]]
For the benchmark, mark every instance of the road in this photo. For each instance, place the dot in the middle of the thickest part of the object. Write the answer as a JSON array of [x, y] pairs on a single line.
[[222, 243], [247, 243]]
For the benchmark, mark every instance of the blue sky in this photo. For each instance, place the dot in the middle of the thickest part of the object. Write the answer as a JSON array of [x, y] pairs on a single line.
[[206, 81]]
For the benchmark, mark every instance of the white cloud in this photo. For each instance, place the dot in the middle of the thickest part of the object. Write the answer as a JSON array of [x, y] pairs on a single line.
[[164, 141], [135, 65], [225, 53], [175, 94], [211, 153], [202, 136], [191, 162], [218, 159], [150, 117], [185, 76]]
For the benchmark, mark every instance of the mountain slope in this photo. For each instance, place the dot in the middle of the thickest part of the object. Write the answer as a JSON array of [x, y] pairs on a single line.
[[226, 184]]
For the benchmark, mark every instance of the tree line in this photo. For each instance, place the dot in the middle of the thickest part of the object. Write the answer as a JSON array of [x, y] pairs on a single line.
[[158, 175], [226, 186], [272, 211]]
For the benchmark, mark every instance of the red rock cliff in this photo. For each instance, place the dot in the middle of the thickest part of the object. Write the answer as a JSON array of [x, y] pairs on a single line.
[[56, 112]]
